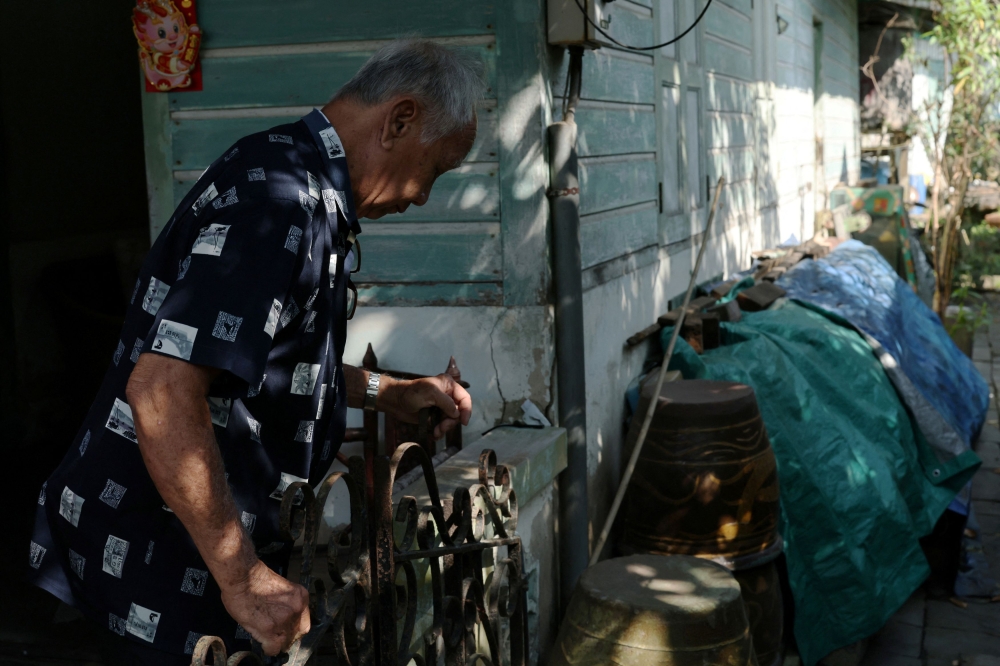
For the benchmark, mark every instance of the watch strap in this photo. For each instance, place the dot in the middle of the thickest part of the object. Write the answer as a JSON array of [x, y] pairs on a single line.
[[371, 391]]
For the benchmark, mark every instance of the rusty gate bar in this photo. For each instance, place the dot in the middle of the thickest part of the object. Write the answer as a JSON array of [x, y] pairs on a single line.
[[358, 606], [384, 581]]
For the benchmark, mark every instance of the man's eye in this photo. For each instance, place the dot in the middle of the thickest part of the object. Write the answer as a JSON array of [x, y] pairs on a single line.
[[162, 33]]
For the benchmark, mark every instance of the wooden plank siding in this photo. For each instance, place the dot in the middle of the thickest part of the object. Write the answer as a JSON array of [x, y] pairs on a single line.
[[610, 128], [294, 78], [612, 75], [729, 113], [230, 23], [468, 193], [266, 64], [616, 143], [631, 22], [769, 162], [482, 237], [434, 252], [834, 118], [200, 138], [840, 113], [608, 182]]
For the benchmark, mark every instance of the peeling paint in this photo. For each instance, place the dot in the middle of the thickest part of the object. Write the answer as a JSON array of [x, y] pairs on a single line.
[[538, 382], [496, 373]]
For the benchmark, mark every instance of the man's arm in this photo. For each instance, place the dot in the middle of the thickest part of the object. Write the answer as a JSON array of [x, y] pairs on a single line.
[[174, 428], [404, 398]]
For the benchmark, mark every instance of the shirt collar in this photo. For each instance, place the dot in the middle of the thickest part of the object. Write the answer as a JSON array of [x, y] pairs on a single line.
[[332, 150]]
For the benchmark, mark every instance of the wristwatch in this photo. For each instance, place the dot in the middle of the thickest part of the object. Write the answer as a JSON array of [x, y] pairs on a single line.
[[371, 391]]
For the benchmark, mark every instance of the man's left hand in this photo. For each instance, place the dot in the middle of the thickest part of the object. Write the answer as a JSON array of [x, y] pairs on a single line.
[[404, 398]]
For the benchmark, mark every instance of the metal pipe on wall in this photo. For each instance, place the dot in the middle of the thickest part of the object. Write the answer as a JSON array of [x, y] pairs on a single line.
[[574, 541]]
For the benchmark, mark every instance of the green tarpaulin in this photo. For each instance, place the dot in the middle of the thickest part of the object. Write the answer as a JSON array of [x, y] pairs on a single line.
[[859, 485]]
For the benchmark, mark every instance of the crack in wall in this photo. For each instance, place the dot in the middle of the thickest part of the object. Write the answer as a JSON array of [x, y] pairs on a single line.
[[551, 411], [496, 372]]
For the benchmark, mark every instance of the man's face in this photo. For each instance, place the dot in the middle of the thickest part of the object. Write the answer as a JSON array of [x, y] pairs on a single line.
[[407, 172]]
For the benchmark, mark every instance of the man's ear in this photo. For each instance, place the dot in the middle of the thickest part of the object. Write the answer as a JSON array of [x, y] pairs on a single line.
[[400, 122]]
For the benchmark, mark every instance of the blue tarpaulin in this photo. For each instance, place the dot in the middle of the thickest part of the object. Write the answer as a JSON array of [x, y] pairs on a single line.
[[936, 380]]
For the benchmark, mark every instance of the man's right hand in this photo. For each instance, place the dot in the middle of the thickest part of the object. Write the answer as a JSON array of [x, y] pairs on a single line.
[[273, 610]]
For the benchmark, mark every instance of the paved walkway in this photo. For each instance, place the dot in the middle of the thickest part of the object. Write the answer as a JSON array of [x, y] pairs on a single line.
[[930, 632]]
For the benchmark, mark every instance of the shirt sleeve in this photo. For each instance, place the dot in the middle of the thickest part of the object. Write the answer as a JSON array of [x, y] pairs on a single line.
[[225, 305]]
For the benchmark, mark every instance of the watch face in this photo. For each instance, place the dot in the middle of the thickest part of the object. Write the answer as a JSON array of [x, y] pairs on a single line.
[[371, 391]]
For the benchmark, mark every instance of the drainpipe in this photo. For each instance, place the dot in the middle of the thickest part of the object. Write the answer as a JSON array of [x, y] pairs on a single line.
[[574, 542]]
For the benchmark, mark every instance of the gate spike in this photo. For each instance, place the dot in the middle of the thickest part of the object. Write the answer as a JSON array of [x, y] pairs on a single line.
[[453, 370], [370, 361]]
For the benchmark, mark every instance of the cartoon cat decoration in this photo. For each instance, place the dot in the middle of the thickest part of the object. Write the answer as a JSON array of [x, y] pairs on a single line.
[[169, 41]]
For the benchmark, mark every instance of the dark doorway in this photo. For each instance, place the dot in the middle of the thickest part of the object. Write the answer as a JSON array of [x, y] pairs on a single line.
[[74, 227]]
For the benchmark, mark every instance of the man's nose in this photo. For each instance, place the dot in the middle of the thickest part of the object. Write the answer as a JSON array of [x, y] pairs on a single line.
[[421, 199]]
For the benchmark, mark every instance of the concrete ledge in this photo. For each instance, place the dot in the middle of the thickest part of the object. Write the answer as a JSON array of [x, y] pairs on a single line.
[[534, 457]]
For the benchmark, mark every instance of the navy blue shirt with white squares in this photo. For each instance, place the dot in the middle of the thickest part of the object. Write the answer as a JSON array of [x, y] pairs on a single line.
[[249, 277]]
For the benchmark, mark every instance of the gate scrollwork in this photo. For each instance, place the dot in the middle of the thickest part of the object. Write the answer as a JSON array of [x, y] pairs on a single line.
[[367, 605]]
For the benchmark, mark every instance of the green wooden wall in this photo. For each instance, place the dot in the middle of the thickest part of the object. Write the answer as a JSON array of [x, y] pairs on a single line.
[[733, 99], [266, 63], [661, 125], [652, 126], [616, 142]]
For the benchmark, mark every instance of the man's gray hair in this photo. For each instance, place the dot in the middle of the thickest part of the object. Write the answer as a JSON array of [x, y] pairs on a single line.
[[446, 82]]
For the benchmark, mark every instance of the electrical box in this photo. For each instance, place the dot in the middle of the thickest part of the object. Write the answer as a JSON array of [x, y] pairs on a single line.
[[568, 27]]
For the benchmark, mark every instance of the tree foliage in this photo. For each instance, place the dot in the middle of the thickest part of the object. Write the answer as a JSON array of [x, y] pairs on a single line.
[[962, 123]]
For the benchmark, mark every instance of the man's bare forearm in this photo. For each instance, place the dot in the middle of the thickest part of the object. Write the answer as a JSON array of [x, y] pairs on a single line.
[[174, 429], [404, 398]]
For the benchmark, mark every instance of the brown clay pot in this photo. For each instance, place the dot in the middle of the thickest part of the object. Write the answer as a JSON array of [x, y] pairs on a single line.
[[761, 591], [650, 610], [706, 483]]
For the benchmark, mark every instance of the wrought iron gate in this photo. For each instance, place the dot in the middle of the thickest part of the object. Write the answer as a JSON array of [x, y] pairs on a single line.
[[368, 606]]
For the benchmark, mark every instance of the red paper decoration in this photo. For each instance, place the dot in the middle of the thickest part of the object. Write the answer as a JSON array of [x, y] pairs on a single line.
[[169, 41]]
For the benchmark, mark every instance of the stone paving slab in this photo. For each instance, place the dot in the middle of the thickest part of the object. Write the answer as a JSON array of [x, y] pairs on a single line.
[[956, 643], [989, 532], [989, 520], [912, 612], [989, 453], [896, 639], [984, 509], [990, 433], [977, 617], [877, 659], [986, 485]]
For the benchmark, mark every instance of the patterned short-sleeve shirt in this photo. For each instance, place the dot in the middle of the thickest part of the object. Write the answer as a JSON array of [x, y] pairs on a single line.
[[249, 276]]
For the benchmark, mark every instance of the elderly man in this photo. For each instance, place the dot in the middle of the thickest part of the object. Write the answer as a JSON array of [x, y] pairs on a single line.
[[161, 522]]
